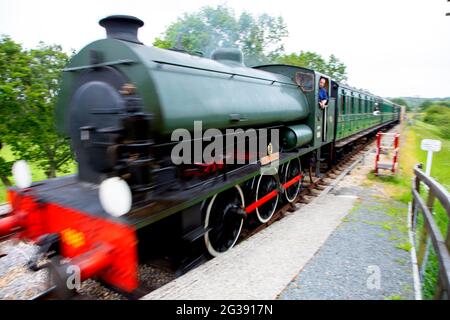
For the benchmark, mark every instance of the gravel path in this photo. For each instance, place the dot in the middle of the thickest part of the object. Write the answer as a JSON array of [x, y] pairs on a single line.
[[366, 257]]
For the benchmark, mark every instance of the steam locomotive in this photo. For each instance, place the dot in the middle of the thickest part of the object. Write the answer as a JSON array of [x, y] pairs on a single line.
[[121, 102]]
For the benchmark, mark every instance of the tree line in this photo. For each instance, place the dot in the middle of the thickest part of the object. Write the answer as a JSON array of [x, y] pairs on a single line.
[[30, 78], [259, 37]]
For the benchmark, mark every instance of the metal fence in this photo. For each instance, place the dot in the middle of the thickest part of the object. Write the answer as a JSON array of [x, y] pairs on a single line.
[[430, 234]]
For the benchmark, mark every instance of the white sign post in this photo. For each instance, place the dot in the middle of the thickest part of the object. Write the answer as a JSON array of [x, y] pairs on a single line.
[[430, 146]]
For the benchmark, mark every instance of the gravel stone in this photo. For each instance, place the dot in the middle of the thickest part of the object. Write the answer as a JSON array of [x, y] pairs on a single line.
[[16, 281], [365, 243]]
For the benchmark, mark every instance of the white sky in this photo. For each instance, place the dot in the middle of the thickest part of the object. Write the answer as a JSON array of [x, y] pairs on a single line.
[[391, 47]]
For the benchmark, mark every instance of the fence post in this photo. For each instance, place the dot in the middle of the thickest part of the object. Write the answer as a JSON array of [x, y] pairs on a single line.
[[430, 203], [439, 288], [430, 233], [415, 186], [413, 207], [447, 244]]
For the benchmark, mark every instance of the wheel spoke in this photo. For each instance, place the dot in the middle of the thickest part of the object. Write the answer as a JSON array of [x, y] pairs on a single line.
[[292, 170], [225, 223], [266, 184]]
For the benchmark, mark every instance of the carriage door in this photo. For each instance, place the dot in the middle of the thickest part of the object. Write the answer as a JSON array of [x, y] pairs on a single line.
[[332, 111], [327, 127]]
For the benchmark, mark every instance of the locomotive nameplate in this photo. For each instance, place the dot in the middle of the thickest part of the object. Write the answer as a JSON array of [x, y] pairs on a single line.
[[270, 158]]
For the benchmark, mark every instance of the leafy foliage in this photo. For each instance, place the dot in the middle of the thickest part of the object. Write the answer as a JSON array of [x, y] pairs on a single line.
[[260, 38], [428, 103], [401, 102], [332, 67], [29, 80], [439, 115], [5, 171]]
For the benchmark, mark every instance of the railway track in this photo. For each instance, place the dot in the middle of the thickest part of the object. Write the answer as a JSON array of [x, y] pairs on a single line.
[[158, 272]]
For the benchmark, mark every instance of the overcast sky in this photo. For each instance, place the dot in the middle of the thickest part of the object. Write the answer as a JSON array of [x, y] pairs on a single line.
[[391, 47]]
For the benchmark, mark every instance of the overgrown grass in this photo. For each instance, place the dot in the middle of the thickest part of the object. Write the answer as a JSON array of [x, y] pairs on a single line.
[[441, 172], [439, 115], [37, 173], [399, 186]]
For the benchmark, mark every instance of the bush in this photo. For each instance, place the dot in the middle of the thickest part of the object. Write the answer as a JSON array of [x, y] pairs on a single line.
[[439, 115], [429, 103]]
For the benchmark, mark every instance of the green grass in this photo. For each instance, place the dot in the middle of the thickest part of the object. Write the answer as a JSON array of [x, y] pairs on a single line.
[[395, 297], [399, 186], [37, 173], [440, 171], [404, 246]]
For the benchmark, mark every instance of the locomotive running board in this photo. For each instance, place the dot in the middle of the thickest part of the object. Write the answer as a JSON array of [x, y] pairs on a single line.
[[190, 264], [196, 234]]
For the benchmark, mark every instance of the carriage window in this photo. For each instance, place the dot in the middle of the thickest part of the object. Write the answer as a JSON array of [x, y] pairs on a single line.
[[342, 105], [305, 81], [353, 107], [347, 105]]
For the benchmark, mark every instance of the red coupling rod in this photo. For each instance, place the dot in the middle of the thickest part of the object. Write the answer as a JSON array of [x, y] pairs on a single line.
[[271, 195]]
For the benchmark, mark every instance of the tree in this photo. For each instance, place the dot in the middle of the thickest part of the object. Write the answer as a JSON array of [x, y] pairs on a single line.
[[332, 67], [5, 171], [12, 63], [29, 80], [401, 102], [260, 38], [336, 69], [426, 104]]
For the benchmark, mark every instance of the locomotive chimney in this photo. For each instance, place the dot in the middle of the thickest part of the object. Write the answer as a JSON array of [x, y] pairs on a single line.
[[122, 27]]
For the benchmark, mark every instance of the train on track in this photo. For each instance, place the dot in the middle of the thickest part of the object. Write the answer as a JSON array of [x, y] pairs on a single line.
[[127, 108]]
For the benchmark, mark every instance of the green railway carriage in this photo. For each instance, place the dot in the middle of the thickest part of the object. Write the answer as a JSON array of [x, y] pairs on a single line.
[[358, 111], [355, 112]]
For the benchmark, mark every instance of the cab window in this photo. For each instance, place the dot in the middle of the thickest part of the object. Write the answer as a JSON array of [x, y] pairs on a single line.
[[305, 81]]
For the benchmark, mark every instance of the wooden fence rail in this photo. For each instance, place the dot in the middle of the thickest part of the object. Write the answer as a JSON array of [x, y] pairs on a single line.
[[430, 233]]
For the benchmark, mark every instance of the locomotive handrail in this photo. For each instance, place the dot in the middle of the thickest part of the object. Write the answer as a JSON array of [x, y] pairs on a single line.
[[430, 233], [98, 65], [224, 72]]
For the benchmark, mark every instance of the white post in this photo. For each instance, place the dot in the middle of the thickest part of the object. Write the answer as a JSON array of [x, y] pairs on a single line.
[[429, 161], [430, 146]]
